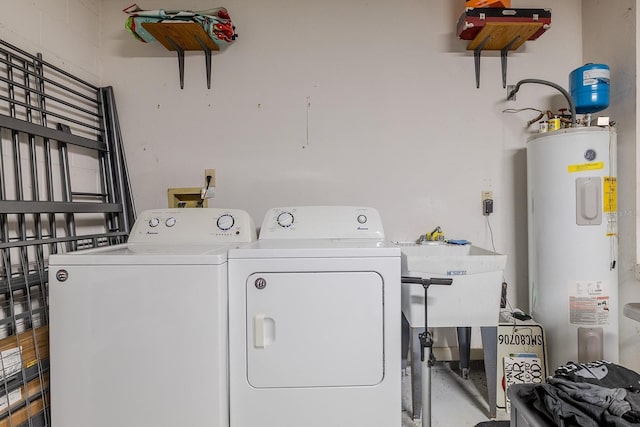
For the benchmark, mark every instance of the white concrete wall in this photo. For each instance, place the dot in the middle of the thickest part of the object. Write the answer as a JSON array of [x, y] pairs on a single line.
[[618, 50], [66, 32], [360, 102]]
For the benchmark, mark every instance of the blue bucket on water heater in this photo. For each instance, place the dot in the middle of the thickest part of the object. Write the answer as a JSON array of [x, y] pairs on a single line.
[[589, 88]]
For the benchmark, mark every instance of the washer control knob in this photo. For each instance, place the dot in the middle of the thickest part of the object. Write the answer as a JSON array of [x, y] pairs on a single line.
[[362, 219], [225, 222], [154, 222], [285, 219], [170, 222]]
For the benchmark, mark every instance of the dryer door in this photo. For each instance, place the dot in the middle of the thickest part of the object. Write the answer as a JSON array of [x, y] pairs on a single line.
[[314, 329]]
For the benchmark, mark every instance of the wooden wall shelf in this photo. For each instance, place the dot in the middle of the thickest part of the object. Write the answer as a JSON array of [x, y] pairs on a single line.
[[499, 35], [181, 36]]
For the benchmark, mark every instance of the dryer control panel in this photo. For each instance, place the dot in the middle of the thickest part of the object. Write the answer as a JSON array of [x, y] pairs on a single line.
[[180, 225], [322, 222]]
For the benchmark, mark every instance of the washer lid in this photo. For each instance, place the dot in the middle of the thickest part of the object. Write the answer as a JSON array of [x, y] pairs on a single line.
[[140, 253], [316, 248]]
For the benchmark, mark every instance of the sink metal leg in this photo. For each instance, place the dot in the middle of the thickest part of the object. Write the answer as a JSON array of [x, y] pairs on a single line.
[[490, 346], [464, 348], [404, 344]]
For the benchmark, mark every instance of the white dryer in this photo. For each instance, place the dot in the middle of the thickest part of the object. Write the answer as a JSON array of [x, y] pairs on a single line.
[[138, 331], [314, 318]]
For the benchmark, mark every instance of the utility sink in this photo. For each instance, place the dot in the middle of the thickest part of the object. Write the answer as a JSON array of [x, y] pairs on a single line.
[[473, 299], [632, 311]]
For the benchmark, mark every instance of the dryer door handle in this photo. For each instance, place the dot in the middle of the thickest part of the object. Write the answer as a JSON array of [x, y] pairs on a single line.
[[264, 330]]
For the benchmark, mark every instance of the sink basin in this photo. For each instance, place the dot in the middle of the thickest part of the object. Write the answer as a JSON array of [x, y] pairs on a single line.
[[473, 299], [632, 310], [451, 260]]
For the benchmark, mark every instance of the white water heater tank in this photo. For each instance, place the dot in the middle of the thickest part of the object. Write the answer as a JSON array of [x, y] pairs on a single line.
[[572, 210]]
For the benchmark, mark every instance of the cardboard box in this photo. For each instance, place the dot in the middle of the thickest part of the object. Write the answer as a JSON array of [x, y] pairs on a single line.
[[22, 415], [19, 352], [16, 398]]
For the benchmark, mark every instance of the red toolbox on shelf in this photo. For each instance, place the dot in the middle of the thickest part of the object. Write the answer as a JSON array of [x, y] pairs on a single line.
[[473, 20]]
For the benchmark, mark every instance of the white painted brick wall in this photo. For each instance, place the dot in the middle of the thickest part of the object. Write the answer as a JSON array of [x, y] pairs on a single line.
[[68, 34]]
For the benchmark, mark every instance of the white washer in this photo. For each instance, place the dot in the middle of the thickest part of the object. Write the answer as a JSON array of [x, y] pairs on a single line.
[[314, 322], [139, 330]]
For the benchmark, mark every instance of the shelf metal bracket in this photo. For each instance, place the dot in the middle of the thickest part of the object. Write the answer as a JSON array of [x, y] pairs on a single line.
[[207, 59], [503, 59], [476, 58], [185, 36], [180, 53]]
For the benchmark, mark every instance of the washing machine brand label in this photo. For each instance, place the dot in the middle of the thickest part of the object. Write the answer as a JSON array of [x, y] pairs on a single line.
[[456, 272], [585, 167], [260, 283], [62, 275]]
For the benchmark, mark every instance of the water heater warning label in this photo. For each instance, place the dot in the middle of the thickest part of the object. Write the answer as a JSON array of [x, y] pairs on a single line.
[[588, 303], [585, 167], [610, 194]]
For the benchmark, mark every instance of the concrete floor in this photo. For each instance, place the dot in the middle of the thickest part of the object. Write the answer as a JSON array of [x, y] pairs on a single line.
[[455, 402]]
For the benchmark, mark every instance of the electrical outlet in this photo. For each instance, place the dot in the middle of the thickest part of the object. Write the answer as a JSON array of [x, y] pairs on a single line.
[[212, 174], [487, 203]]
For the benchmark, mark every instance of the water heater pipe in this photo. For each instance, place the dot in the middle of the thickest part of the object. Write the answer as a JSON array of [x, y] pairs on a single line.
[[553, 85]]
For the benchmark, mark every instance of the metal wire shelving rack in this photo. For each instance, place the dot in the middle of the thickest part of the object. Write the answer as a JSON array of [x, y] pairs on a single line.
[[63, 187]]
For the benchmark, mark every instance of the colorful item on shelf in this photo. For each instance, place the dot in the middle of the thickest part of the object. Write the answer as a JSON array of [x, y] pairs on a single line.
[[488, 3], [216, 22]]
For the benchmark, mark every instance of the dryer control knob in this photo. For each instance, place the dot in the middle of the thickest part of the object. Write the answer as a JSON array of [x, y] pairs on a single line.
[[170, 222], [154, 222], [362, 219], [285, 219], [225, 222]]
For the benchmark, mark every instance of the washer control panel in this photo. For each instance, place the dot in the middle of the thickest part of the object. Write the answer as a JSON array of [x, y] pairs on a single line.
[[322, 222], [193, 225]]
